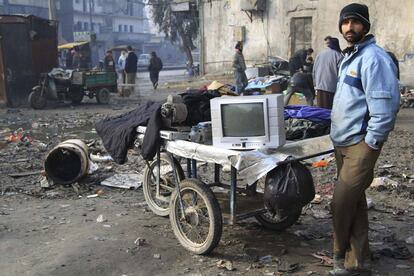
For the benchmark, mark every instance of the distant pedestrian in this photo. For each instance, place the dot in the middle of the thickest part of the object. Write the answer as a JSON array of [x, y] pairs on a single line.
[[68, 59], [130, 71], [325, 72], [121, 64], [109, 63], [75, 58], [239, 68], [154, 69], [299, 60]]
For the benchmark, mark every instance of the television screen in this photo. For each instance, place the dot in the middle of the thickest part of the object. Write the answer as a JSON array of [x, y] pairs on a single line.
[[243, 120]]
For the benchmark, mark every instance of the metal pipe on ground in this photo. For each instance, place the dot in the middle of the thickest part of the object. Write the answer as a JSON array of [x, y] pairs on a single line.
[[67, 162]]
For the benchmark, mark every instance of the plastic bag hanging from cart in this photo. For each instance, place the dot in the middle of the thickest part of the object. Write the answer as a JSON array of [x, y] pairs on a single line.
[[288, 188]]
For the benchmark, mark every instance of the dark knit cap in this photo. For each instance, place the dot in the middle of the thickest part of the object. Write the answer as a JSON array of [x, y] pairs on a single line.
[[355, 11]]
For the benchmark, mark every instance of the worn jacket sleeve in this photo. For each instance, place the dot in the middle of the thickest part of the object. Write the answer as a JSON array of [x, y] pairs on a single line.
[[382, 94]]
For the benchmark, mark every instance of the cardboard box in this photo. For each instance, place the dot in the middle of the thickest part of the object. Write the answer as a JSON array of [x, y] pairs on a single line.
[[274, 88]]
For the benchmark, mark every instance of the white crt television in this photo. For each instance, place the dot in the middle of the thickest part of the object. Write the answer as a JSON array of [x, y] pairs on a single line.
[[248, 122]]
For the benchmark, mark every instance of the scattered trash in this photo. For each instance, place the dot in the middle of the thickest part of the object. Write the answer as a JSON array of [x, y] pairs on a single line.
[[401, 266], [45, 182], [67, 162], [324, 257], [386, 166], [140, 241], [124, 181], [320, 164], [225, 264], [96, 238], [100, 158], [101, 219], [410, 240], [19, 135], [107, 225], [317, 199], [92, 196], [266, 259], [157, 256], [384, 182], [93, 167]]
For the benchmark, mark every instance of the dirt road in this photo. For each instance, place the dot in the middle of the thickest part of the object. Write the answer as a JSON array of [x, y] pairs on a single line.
[[55, 231]]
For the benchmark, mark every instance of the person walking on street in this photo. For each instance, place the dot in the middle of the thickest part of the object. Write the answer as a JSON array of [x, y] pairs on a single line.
[[239, 68], [130, 71], [109, 62], [364, 110], [121, 65], [154, 68], [325, 73]]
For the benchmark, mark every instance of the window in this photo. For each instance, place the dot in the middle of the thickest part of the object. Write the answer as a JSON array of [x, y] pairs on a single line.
[[78, 26], [77, 1], [301, 32], [131, 28], [85, 26], [119, 28], [125, 28]]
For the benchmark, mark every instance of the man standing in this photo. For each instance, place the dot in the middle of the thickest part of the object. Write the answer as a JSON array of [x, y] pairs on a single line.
[[130, 71], [364, 112], [154, 69], [239, 66], [121, 65], [298, 60], [325, 73], [109, 63]]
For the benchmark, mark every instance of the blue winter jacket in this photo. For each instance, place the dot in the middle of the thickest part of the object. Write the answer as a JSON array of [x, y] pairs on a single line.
[[367, 97]]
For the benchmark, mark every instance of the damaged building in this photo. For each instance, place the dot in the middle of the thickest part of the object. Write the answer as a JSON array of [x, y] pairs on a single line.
[[280, 27]]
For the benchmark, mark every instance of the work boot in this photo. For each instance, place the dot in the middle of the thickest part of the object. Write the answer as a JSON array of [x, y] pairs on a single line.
[[339, 268]]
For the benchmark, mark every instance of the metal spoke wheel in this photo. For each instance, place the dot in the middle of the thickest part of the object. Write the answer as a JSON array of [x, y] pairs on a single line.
[[160, 203], [103, 95], [277, 223], [195, 217], [36, 99]]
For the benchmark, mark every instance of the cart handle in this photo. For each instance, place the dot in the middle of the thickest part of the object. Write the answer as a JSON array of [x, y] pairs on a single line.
[[292, 160]]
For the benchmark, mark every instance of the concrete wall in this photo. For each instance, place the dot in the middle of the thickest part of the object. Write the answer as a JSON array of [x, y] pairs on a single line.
[[269, 34]]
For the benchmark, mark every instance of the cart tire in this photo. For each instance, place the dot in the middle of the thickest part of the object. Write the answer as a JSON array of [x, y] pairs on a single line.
[[161, 208], [268, 221], [103, 95], [36, 100], [76, 95], [200, 207]]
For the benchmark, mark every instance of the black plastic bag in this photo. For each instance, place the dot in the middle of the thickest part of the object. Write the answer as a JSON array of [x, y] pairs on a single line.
[[288, 188]]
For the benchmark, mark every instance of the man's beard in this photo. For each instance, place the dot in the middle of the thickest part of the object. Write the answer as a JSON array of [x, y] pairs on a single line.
[[353, 37]]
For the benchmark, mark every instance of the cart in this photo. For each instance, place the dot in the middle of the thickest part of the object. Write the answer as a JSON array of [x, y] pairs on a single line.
[[63, 85], [195, 214]]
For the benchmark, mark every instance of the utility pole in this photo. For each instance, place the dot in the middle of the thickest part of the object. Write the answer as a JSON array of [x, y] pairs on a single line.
[[52, 10], [91, 4]]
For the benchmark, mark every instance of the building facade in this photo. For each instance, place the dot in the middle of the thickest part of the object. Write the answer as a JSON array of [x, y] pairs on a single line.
[[115, 22], [280, 27]]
